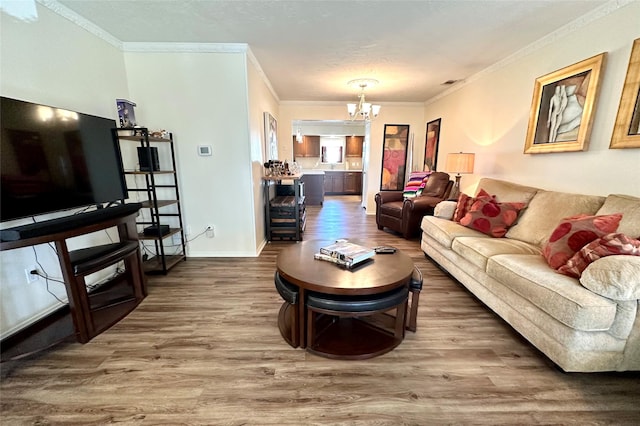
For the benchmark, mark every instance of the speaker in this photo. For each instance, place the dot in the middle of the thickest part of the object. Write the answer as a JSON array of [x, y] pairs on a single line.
[[154, 229], [67, 223], [148, 159]]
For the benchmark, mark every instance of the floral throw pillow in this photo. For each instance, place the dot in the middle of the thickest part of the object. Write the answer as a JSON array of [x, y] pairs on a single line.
[[465, 202], [608, 245], [490, 217], [575, 232]]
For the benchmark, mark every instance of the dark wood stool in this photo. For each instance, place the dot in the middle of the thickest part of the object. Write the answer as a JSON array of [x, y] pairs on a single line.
[[360, 339], [415, 286], [288, 316]]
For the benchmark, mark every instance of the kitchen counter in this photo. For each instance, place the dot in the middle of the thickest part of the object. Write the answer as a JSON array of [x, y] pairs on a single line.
[[322, 171]]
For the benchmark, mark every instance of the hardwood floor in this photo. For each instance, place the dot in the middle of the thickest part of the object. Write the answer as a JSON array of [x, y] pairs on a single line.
[[204, 348]]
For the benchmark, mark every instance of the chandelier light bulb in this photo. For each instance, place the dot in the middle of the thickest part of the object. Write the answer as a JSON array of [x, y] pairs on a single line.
[[363, 109]]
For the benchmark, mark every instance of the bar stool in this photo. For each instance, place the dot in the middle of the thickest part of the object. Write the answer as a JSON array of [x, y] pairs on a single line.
[[357, 306], [288, 315], [415, 286]]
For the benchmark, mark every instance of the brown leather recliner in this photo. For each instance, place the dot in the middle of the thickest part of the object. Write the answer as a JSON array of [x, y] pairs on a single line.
[[404, 215]]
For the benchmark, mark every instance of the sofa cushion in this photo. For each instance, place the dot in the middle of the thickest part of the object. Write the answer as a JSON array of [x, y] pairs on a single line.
[[616, 277], [507, 192], [609, 245], [490, 217], [560, 296], [575, 232], [465, 202], [445, 209], [629, 207], [444, 231], [478, 250], [546, 209]]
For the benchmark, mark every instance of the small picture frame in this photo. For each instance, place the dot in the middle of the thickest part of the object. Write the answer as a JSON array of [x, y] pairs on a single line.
[[270, 137], [563, 106]]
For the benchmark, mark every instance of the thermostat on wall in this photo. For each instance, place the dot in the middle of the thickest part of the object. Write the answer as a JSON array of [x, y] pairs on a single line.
[[204, 150]]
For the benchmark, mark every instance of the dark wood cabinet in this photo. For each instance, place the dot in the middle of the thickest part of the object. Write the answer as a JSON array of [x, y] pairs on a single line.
[[354, 146], [353, 183], [94, 308], [313, 189], [342, 182], [310, 147], [333, 182]]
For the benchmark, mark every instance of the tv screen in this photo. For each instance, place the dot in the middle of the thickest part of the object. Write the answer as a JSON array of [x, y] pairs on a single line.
[[54, 159]]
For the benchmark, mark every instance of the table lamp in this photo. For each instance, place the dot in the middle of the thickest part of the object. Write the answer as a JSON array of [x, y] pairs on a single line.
[[459, 163]]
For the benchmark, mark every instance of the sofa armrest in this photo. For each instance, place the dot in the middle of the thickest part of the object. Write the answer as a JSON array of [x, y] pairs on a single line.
[[422, 204], [388, 196]]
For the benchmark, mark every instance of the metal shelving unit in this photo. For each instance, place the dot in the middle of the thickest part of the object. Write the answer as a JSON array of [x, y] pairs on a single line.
[[160, 197]]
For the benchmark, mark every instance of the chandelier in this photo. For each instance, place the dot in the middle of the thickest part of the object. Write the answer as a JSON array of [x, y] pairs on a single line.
[[363, 109]]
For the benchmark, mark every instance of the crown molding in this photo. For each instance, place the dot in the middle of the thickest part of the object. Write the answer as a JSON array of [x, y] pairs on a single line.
[[576, 24], [81, 21], [343, 103], [163, 47], [260, 71]]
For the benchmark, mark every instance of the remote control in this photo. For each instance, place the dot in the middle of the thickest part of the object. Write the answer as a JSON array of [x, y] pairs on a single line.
[[384, 250]]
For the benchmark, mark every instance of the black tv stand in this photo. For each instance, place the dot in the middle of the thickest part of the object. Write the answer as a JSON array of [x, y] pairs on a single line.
[[91, 311]]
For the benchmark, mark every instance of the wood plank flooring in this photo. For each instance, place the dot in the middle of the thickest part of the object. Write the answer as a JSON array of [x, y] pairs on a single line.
[[204, 349]]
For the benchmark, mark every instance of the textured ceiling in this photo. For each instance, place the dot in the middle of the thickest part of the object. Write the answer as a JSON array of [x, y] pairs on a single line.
[[310, 49]]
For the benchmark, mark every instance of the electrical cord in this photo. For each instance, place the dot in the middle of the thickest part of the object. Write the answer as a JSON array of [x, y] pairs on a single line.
[[46, 277]]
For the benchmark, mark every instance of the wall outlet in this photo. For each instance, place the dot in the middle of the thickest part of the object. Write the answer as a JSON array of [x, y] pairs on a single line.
[[210, 231], [31, 278]]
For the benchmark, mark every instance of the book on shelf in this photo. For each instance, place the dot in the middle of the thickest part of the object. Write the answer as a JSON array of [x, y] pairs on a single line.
[[349, 254]]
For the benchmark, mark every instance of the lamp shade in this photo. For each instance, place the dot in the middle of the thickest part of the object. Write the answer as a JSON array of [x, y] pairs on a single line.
[[461, 162]]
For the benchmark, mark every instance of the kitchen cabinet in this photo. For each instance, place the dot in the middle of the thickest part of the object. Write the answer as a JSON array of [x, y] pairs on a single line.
[[354, 146], [310, 147], [313, 188], [340, 183], [352, 182]]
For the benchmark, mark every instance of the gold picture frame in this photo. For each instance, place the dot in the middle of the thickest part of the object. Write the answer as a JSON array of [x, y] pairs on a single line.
[[626, 131], [563, 106]]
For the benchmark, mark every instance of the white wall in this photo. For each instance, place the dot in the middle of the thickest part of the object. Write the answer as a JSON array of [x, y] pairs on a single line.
[[489, 116], [51, 61], [391, 113], [261, 100], [202, 98]]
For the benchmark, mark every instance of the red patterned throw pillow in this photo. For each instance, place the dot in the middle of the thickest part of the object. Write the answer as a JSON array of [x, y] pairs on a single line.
[[609, 245], [465, 202], [490, 217], [575, 232]]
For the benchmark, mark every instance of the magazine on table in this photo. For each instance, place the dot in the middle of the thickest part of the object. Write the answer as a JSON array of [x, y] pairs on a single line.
[[346, 253]]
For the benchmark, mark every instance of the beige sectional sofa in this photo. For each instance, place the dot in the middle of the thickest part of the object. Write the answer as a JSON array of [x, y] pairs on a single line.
[[577, 328]]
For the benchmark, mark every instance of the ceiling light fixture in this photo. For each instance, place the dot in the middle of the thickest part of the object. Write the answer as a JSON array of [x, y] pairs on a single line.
[[363, 110]]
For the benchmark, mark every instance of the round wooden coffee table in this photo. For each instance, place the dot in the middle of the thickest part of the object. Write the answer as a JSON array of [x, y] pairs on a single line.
[[348, 337]]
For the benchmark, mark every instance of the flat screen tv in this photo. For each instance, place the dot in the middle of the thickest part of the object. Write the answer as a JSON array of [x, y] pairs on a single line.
[[54, 159]]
